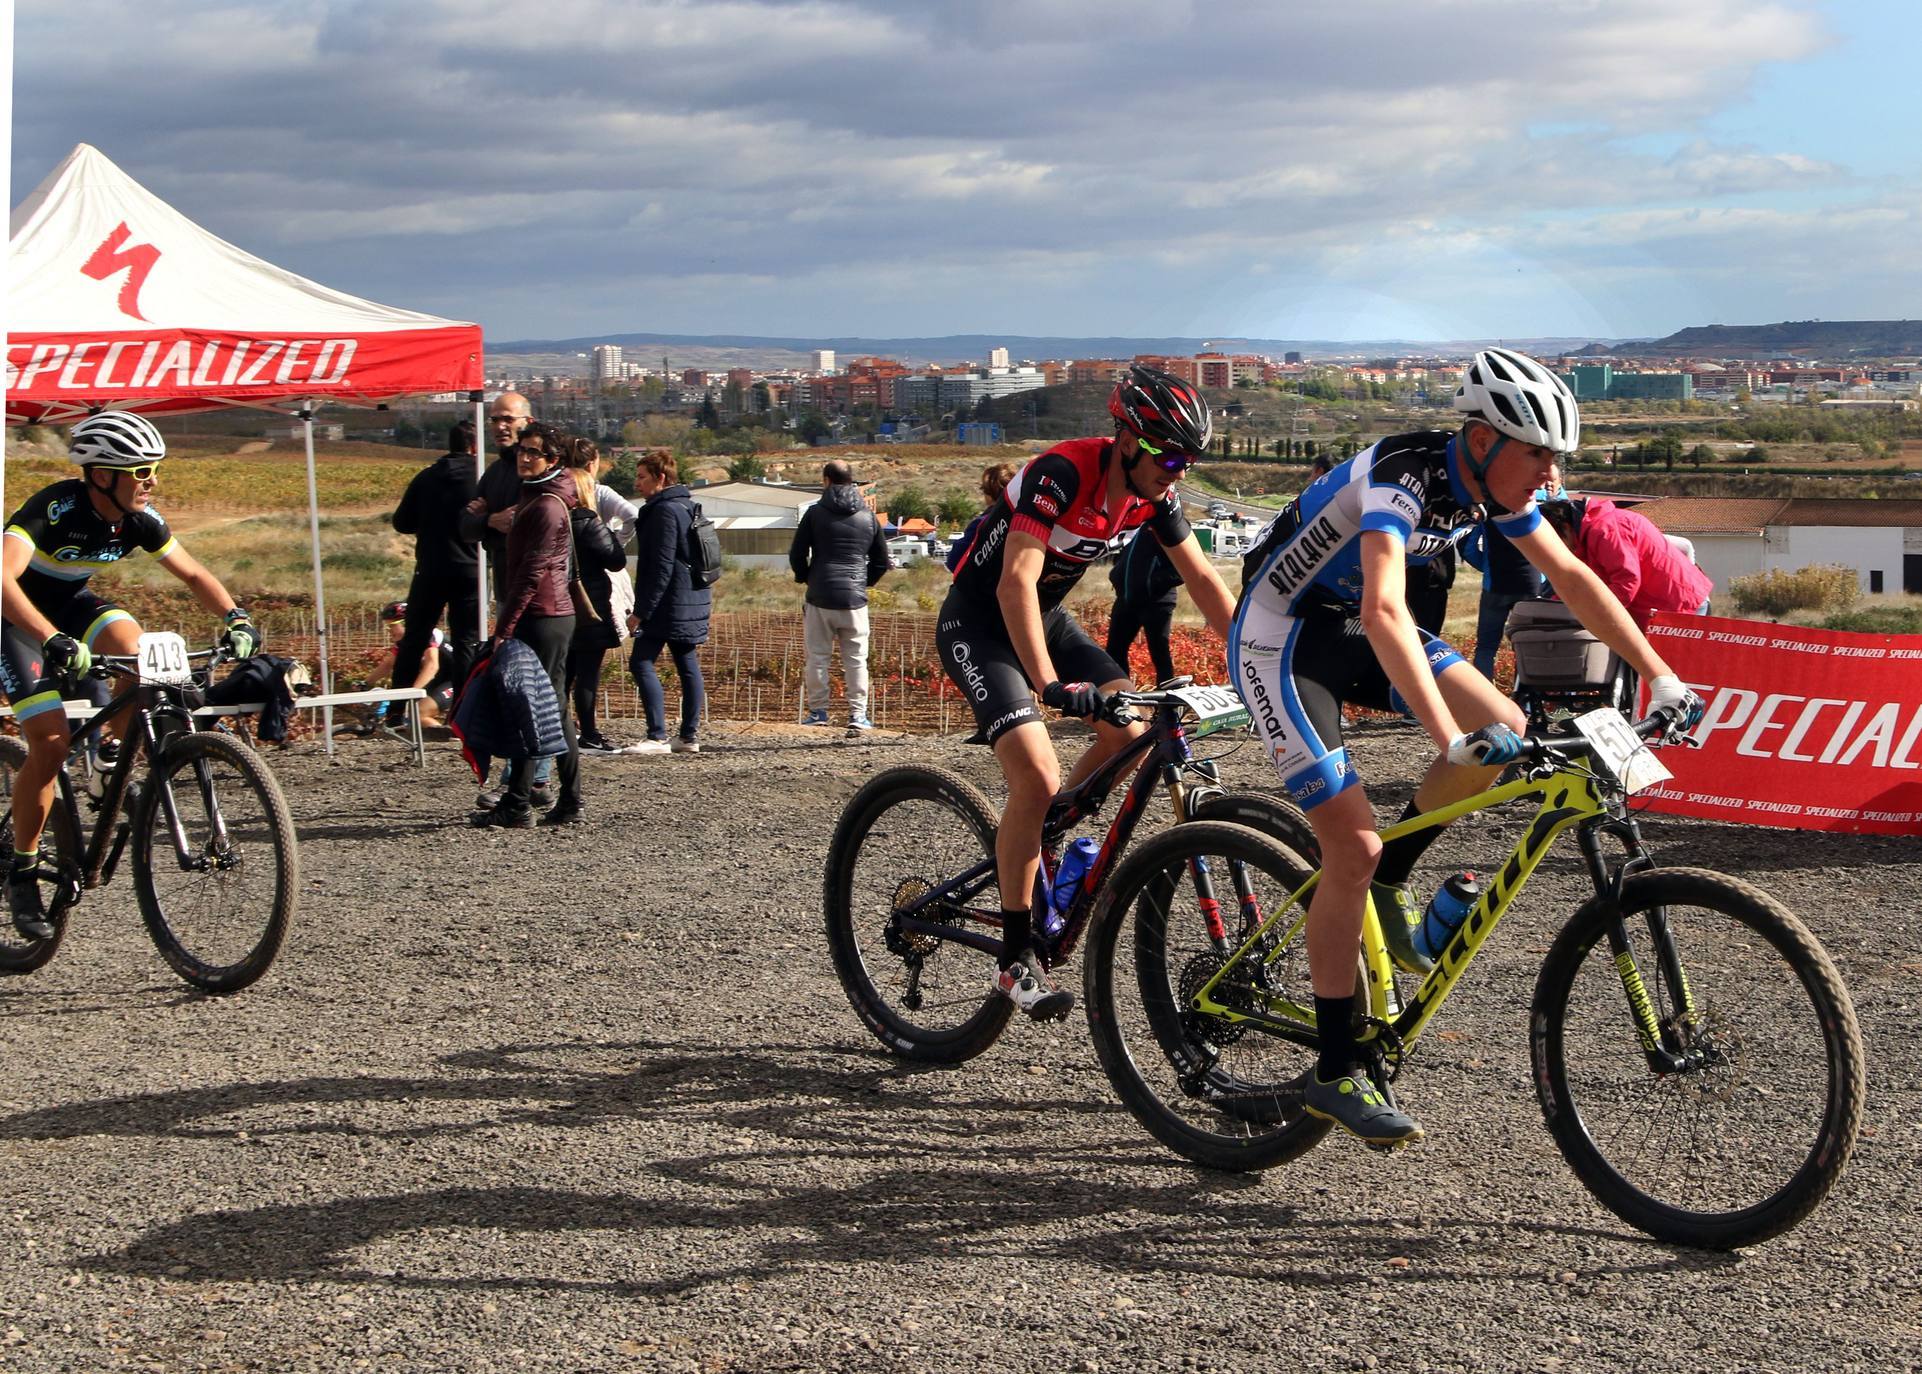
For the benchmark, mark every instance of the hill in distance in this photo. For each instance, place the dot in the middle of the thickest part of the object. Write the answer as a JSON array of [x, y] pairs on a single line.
[[1811, 338]]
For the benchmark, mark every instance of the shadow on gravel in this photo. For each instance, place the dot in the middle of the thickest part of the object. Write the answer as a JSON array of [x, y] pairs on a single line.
[[938, 1213]]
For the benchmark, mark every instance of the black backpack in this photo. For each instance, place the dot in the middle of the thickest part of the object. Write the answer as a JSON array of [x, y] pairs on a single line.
[[703, 550]]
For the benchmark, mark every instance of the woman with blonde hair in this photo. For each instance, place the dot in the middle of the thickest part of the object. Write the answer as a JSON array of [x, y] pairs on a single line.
[[598, 557], [669, 610]]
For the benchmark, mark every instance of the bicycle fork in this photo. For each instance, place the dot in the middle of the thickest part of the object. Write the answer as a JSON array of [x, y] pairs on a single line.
[[1659, 1037]]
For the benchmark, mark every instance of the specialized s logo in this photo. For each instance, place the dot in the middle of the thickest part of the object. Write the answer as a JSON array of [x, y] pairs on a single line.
[[137, 262]]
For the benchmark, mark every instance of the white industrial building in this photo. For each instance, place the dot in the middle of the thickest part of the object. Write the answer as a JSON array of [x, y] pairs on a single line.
[[1736, 536]]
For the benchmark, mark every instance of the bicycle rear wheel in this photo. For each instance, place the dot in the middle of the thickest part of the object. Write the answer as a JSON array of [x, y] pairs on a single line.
[[1746, 1139], [59, 848], [218, 891], [1223, 1093], [906, 833]]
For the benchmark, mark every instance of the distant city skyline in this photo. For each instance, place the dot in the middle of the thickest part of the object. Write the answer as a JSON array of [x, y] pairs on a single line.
[[849, 168]]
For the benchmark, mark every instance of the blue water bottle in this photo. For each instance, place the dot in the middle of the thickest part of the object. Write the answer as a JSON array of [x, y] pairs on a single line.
[[1075, 860], [1447, 909]]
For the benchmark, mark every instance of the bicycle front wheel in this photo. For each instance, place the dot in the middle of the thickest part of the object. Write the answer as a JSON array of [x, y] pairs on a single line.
[[1225, 1093], [216, 865], [59, 849], [1745, 1128], [908, 833]]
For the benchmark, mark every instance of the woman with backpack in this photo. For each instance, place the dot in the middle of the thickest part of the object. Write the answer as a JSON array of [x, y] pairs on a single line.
[[671, 610]]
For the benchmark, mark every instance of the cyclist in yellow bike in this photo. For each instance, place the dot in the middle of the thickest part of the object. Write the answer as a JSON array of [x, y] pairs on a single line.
[[51, 625], [1322, 620]]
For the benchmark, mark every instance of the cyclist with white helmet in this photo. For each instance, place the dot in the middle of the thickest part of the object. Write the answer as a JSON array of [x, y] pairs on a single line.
[[1004, 634], [51, 624], [1322, 620]]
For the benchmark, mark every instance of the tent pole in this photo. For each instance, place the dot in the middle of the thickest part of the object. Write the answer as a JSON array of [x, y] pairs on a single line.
[[480, 468], [320, 594]]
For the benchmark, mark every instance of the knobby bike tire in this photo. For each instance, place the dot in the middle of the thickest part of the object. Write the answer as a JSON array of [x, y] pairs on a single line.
[[915, 827], [62, 836], [1276, 817], [1193, 1101], [1748, 1141], [261, 836]]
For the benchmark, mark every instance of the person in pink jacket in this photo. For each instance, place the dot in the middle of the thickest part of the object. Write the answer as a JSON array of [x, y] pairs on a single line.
[[1635, 559]]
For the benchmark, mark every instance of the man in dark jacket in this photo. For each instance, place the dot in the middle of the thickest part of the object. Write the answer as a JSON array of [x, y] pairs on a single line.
[[444, 560], [500, 485], [1145, 583], [839, 552]]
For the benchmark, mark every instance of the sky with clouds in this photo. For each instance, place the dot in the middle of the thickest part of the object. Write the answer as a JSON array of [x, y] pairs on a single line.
[[1366, 169]]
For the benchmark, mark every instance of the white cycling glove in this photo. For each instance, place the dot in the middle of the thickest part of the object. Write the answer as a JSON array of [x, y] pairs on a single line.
[[1490, 745], [1670, 693]]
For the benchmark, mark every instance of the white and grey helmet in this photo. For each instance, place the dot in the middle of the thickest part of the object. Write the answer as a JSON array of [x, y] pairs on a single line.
[[116, 437], [1522, 399]]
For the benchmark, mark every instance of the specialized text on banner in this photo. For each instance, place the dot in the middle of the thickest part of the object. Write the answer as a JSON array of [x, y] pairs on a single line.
[[1807, 729]]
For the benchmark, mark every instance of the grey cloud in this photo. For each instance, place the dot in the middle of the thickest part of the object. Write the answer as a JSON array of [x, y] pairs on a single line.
[[818, 159]]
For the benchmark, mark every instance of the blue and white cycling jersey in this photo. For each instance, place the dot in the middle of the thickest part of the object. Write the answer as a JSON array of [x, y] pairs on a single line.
[[1296, 651], [1404, 485]]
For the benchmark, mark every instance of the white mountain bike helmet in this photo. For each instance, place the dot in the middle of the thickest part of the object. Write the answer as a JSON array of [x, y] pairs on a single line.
[[1521, 399], [116, 437]]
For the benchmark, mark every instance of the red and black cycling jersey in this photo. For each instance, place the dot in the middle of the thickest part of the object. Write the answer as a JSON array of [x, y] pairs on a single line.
[[1058, 499]]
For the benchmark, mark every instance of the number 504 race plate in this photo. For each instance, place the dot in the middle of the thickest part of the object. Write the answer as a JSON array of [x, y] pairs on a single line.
[[1620, 751], [1214, 708], [163, 658]]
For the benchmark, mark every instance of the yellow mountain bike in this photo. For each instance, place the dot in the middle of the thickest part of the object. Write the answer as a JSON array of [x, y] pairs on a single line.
[[1695, 1051]]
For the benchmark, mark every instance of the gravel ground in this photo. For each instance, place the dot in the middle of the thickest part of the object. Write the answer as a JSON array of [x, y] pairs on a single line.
[[594, 1100]]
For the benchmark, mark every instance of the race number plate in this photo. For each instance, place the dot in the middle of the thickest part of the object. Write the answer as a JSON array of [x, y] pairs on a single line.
[[1619, 751], [163, 658], [1214, 708]]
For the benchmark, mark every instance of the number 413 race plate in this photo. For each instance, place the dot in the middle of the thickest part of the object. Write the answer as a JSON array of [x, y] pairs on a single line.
[[163, 658]]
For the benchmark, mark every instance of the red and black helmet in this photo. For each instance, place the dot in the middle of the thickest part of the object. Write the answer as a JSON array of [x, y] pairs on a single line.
[[393, 612], [1162, 409]]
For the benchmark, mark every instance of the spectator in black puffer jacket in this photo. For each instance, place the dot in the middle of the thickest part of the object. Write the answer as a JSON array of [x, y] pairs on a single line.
[[444, 560], [839, 552], [669, 610]]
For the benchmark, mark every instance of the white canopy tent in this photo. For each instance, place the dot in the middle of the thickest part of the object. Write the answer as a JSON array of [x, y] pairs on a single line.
[[116, 299]]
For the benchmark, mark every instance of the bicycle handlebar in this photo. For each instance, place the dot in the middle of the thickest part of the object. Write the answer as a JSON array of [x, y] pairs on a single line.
[[127, 665]]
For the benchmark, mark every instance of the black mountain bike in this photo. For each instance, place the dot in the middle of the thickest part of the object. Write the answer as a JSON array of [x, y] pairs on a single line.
[[215, 859], [912, 905]]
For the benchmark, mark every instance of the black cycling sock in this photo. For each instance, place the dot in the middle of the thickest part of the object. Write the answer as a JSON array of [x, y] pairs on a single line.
[[1399, 856], [1017, 933], [1334, 1036], [24, 859]]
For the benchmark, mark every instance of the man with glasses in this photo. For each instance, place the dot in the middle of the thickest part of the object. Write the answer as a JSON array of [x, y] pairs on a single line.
[[53, 624], [1003, 630]]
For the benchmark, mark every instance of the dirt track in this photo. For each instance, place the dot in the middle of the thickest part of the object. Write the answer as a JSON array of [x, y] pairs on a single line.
[[594, 1100]]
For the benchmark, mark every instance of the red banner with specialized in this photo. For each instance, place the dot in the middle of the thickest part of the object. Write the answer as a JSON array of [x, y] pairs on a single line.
[[1805, 729]]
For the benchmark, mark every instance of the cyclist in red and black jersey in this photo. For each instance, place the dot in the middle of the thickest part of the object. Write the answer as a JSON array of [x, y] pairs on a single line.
[[1003, 630]]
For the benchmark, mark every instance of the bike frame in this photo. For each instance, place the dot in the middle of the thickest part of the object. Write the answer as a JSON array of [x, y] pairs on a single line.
[[1568, 796], [148, 704], [1164, 755]]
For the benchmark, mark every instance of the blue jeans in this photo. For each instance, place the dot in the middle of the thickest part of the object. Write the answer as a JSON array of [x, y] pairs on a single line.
[[653, 699], [1490, 624]]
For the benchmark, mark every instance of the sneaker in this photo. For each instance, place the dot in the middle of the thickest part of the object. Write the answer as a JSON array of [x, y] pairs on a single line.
[[503, 817], [1026, 985], [859, 726], [1399, 918], [489, 798], [598, 744], [815, 718], [565, 812], [686, 746], [28, 908], [1359, 1108], [647, 746]]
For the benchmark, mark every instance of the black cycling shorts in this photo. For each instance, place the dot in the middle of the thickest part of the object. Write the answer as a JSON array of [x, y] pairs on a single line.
[[22, 673], [981, 661]]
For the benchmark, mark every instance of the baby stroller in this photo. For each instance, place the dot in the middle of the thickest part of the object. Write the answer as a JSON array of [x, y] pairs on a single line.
[[1561, 669]]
